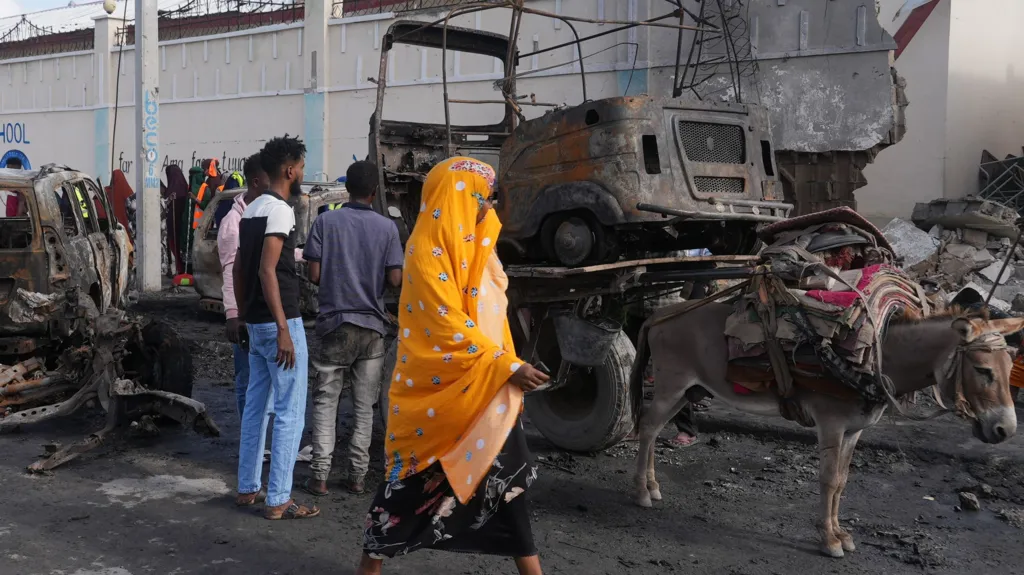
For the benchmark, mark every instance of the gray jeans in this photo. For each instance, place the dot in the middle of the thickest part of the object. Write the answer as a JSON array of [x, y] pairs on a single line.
[[350, 356]]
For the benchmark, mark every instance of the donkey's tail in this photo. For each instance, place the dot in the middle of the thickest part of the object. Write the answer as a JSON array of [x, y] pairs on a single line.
[[636, 377]]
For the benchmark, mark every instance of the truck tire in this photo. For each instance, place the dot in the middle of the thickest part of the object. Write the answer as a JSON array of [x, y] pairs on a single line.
[[165, 361], [592, 411]]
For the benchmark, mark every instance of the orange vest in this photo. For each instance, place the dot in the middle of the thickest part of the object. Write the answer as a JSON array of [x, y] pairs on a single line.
[[198, 212]]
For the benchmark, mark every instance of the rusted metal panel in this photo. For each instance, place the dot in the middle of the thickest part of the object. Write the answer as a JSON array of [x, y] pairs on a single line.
[[700, 162]]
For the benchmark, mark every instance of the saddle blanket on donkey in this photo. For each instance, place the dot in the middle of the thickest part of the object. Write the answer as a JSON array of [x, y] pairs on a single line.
[[817, 307]]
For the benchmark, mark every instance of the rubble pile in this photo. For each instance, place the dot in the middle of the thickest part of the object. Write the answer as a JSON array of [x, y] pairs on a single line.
[[963, 243]]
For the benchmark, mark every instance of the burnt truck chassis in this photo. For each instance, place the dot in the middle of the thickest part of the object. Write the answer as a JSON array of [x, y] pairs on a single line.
[[586, 407], [135, 372]]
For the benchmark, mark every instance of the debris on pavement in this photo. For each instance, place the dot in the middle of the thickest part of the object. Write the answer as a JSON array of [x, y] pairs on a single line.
[[1014, 517], [971, 239], [971, 212], [914, 246], [969, 501], [132, 371]]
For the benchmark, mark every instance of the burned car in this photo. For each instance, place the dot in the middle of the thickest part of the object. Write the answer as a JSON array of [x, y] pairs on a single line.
[[65, 341], [316, 197], [591, 183]]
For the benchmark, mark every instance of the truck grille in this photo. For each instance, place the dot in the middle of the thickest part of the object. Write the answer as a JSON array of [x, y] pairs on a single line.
[[714, 143], [712, 185]]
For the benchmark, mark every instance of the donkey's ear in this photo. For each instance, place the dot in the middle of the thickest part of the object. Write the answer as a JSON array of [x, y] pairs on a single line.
[[1005, 326], [967, 328]]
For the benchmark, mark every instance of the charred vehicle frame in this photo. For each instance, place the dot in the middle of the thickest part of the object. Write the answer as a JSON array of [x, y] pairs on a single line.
[[596, 191], [65, 342]]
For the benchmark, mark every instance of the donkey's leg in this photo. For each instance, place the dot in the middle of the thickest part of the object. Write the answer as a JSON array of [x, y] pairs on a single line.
[[845, 457], [830, 441], [669, 396], [652, 482]]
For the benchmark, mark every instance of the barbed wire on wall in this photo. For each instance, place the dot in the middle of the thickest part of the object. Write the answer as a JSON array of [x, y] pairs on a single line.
[[27, 39], [367, 7], [206, 17]]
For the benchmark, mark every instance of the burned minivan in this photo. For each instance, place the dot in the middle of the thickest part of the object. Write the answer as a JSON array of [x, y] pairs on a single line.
[[66, 341]]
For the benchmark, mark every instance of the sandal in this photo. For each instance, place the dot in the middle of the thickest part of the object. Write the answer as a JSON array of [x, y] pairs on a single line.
[[308, 489], [291, 510], [673, 443], [248, 499], [355, 487]]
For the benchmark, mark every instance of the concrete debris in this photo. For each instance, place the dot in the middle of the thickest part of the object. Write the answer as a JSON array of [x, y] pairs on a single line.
[[991, 273], [913, 246], [974, 238], [960, 251], [970, 213], [982, 258]]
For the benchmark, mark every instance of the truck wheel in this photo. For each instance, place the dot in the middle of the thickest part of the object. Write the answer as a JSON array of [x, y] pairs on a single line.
[[167, 360], [592, 411]]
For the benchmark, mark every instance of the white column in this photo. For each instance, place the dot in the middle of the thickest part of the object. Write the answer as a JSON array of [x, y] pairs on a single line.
[[105, 30], [315, 63], [147, 143]]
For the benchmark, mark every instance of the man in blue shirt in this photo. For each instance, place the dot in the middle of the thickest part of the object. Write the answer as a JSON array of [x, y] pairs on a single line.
[[354, 253]]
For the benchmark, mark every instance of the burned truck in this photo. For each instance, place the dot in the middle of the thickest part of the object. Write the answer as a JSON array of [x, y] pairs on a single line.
[[598, 198], [610, 178], [596, 201], [65, 340]]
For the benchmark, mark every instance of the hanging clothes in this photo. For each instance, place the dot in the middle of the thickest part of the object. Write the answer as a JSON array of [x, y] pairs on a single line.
[[118, 193], [176, 215]]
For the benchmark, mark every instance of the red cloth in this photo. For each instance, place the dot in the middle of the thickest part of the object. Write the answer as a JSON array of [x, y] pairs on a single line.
[[118, 194], [13, 199], [846, 298]]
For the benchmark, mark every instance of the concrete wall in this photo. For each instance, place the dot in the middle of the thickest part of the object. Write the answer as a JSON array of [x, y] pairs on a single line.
[[912, 171], [964, 83], [985, 105], [224, 95]]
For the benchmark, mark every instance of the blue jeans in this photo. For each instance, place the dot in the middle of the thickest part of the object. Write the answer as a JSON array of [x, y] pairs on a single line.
[[241, 377], [282, 391]]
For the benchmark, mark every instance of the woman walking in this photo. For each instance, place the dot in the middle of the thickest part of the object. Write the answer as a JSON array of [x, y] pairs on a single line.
[[457, 463]]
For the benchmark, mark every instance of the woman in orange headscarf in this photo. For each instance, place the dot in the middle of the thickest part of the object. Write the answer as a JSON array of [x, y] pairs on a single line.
[[456, 457]]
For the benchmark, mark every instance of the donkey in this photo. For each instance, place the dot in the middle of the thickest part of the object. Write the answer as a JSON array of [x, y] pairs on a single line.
[[959, 355]]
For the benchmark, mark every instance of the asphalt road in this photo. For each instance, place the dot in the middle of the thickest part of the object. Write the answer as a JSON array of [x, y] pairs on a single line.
[[741, 501]]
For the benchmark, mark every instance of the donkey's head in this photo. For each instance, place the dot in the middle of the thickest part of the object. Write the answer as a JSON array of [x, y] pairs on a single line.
[[977, 377]]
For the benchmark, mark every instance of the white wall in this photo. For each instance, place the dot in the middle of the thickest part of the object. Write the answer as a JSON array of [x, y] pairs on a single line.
[[985, 107], [223, 96], [912, 170], [965, 83]]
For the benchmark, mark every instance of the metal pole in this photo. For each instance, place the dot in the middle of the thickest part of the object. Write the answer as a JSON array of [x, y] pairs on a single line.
[[147, 144]]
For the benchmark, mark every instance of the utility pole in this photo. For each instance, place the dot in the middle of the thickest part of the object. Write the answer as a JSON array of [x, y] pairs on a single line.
[[147, 143]]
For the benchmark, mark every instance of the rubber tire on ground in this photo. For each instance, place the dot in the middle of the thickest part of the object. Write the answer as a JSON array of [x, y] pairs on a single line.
[[609, 417], [165, 363]]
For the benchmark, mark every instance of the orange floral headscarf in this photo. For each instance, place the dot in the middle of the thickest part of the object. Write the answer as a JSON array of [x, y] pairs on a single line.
[[449, 369]]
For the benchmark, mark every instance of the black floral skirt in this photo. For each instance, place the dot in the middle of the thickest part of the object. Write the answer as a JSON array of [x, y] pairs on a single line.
[[421, 511]]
